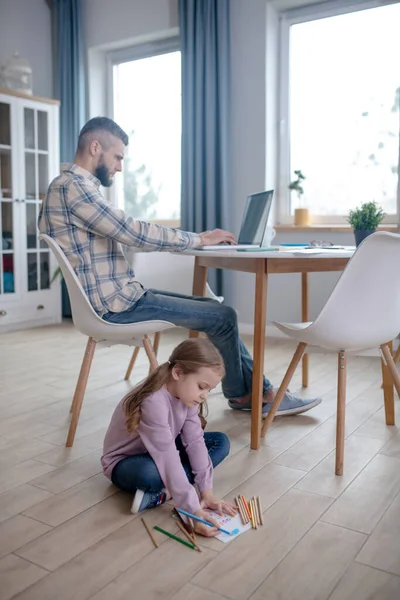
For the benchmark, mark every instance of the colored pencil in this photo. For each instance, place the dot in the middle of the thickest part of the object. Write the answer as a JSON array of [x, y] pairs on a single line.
[[260, 510], [175, 537], [256, 511], [149, 532], [187, 514], [253, 514], [246, 506], [253, 504], [188, 536], [242, 510], [187, 526]]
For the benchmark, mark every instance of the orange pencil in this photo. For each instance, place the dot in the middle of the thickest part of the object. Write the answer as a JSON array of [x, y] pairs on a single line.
[[246, 506]]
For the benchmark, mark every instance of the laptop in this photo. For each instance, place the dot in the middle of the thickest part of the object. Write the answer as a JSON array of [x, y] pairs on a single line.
[[254, 223]]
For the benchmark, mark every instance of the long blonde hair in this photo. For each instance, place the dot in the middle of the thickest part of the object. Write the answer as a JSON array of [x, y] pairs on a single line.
[[190, 355]]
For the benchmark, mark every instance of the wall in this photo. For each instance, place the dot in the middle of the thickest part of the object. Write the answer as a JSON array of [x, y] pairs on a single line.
[[25, 25], [116, 22]]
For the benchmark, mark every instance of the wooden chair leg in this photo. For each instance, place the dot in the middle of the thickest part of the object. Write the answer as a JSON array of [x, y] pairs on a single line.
[[283, 387], [150, 353], [156, 343], [80, 390], [304, 318], [397, 355], [390, 376], [131, 363], [341, 412]]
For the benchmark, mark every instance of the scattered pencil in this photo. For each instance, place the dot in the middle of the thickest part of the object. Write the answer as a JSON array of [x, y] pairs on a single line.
[[175, 537], [149, 532], [188, 527], [191, 529], [188, 536]]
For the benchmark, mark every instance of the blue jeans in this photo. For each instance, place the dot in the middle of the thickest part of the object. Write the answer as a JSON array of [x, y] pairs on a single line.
[[139, 471], [217, 320]]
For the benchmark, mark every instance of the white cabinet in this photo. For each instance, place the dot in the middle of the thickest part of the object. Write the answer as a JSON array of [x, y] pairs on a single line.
[[29, 160]]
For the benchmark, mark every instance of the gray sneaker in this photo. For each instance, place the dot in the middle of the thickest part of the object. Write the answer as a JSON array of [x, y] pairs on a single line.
[[290, 405]]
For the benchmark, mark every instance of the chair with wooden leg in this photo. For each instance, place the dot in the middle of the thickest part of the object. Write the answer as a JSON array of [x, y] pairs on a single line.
[[363, 312], [100, 332]]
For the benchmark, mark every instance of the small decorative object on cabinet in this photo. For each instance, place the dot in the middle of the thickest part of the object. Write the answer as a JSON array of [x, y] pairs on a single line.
[[365, 219], [301, 214], [16, 75], [29, 160]]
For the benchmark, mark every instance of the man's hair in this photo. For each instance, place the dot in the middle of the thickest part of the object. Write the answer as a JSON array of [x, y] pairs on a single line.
[[100, 125]]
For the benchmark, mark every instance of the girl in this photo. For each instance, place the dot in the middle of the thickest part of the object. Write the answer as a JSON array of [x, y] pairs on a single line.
[[155, 445]]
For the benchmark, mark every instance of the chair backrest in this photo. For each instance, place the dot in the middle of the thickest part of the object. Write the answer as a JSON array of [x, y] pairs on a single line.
[[83, 314], [363, 310]]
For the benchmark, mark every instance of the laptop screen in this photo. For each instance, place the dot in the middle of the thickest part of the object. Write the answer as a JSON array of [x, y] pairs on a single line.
[[255, 218]]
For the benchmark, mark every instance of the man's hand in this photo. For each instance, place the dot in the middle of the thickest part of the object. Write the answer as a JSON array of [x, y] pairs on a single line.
[[217, 236]]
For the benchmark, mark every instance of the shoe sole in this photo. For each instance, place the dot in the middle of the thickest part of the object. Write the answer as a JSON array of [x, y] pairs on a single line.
[[288, 411], [296, 411]]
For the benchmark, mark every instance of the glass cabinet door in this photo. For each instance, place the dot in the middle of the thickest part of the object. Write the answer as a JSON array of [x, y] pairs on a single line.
[[7, 205], [36, 155]]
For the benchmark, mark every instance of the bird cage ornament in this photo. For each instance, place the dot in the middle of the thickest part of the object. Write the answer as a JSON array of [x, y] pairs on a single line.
[[16, 75]]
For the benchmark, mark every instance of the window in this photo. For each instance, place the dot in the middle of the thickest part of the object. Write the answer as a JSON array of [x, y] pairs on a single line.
[[147, 105], [340, 99]]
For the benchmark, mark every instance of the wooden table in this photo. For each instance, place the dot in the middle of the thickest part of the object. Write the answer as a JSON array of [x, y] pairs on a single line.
[[262, 264]]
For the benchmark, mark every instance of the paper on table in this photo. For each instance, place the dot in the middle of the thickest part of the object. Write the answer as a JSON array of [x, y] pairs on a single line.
[[319, 251]]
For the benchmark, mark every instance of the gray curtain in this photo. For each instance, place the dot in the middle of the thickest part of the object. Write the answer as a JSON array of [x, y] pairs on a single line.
[[205, 47], [69, 71]]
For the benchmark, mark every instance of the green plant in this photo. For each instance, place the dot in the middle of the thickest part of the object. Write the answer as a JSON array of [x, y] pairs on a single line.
[[297, 184], [57, 273], [367, 217]]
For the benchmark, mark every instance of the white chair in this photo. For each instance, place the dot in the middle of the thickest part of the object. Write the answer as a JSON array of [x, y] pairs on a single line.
[[162, 271], [363, 312], [100, 332]]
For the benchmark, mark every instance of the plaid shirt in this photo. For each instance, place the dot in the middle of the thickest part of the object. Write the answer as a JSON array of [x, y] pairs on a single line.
[[90, 231]]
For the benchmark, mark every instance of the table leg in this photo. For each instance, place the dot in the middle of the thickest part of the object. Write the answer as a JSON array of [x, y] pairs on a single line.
[[258, 354], [199, 286], [304, 318], [388, 389]]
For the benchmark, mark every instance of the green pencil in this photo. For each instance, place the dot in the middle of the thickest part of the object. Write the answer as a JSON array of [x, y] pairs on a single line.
[[175, 537]]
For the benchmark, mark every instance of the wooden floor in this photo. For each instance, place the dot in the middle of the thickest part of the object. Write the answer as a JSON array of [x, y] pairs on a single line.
[[66, 533]]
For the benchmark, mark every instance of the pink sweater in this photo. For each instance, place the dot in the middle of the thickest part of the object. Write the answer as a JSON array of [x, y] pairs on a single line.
[[163, 418]]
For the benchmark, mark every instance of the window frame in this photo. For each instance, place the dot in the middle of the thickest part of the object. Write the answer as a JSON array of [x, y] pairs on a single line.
[[286, 20], [128, 54]]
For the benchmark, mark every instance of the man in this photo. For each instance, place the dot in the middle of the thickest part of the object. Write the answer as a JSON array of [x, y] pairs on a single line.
[[91, 231]]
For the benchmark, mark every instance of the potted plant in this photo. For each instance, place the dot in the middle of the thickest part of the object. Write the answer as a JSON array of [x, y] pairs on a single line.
[[301, 215], [65, 301], [365, 219]]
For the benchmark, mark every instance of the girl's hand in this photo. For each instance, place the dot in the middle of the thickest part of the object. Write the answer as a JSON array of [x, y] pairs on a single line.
[[203, 529], [220, 506]]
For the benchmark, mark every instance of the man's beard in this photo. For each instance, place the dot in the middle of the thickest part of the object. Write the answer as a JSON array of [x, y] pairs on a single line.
[[102, 175]]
